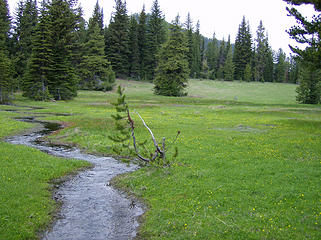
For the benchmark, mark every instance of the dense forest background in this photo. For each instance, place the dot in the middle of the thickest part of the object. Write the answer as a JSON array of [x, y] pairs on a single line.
[[49, 51]]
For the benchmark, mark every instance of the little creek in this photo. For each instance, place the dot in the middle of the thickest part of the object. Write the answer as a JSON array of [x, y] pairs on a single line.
[[91, 208]]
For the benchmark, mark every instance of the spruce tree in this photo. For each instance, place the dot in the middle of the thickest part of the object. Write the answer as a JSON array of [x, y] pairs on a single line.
[[172, 71], [155, 38], [309, 90], [261, 53], [242, 49], [142, 46], [268, 73], [96, 71], [280, 68], [5, 63], [229, 66], [24, 31], [50, 72], [36, 77], [197, 58], [62, 77], [96, 19], [117, 48], [221, 56], [189, 36], [212, 53], [307, 32], [133, 57], [247, 73]]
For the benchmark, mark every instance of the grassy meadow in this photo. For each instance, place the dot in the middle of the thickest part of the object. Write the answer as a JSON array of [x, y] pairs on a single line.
[[248, 165]]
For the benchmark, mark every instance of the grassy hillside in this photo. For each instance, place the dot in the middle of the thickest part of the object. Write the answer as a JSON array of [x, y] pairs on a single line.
[[248, 164]]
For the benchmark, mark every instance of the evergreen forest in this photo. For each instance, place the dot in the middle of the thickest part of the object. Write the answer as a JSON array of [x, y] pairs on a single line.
[[49, 51]]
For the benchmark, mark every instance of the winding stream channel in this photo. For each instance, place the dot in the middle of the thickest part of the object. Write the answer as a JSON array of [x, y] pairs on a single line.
[[91, 209]]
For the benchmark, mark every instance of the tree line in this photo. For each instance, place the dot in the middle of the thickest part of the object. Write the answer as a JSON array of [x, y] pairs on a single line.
[[51, 51]]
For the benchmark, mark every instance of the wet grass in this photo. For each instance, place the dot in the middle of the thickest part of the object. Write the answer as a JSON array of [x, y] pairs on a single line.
[[248, 164], [25, 175]]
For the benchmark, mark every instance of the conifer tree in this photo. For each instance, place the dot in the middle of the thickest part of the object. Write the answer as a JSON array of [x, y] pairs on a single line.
[[133, 57], [155, 37], [247, 73], [197, 58], [280, 68], [117, 48], [172, 71], [212, 57], [63, 81], [268, 73], [24, 30], [96, 19], [50, 71], [96, 71], [5, 63], [309, 90], [307, 32], [242, 49], [36, 78], [229, 66], [260, 59], [142, 46], [189, 36], [221, 56]]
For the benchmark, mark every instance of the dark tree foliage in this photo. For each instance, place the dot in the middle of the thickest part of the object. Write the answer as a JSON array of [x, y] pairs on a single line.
[[24, 31], [261, 53], [316, 3], [280, 68], [142, 46], [96, 71], [308, 32], [242, 50], [5, 24], [212, 57], [309, 90], [5, 63], [117, 48], [229, 66], [36, 78], [189, 36], [172, 71], [197, 58], [96, 19], [50, 72], [155, 38], [133, 56]]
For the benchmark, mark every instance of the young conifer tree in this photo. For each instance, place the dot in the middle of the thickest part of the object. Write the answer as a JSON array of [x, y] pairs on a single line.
[[172, 72]]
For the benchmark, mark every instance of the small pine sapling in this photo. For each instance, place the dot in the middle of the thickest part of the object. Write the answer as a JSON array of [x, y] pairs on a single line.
[[121, 138], [124, 126]]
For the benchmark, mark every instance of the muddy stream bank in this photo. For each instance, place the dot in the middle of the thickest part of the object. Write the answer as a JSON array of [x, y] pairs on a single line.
[[91, 209]]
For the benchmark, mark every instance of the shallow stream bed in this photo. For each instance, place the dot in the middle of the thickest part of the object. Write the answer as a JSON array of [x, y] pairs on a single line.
[[91, 208]]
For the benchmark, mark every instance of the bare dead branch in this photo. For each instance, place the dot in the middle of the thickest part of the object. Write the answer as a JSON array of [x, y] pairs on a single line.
[[151, 133]]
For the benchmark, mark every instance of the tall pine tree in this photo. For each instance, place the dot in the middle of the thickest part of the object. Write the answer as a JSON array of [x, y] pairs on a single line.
[[155, 37], [24, 31], [5, 63], [172, 71], [142, 46], [133, 57], [261, 53], [308, 32], [117, 48], [242, 49]]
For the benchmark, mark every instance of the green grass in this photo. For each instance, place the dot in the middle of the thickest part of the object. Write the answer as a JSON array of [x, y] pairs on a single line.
[[248, 164], [25, 176]]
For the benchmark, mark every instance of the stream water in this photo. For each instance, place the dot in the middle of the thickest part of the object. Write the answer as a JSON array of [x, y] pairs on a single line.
[[91, 209]]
